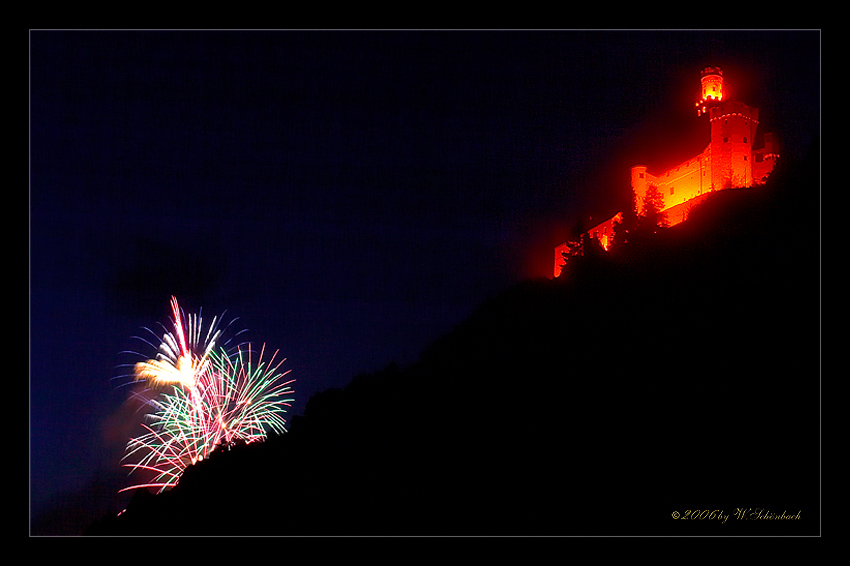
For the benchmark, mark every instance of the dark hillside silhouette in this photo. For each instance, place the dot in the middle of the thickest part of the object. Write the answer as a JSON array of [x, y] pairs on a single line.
[[678, 372]]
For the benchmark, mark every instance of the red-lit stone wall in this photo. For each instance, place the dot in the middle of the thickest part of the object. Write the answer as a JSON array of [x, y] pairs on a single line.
[[679, 213], [677, 185], [560, 261], [604, 231]]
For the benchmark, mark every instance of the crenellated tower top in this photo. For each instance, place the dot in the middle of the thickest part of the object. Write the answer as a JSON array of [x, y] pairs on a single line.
[[711, 89]]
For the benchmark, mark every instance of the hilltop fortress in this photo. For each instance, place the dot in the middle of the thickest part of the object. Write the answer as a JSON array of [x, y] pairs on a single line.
[[730, 160]]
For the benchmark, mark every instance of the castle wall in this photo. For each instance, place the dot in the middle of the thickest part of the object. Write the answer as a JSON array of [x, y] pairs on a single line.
[[684, 182], [604, 231], [679, 212], [560, 262], [677, 185]]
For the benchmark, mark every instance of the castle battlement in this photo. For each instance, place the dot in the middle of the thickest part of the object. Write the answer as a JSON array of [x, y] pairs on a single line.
[[729, 160]]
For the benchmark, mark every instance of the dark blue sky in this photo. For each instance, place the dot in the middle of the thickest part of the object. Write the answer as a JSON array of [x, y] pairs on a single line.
[[348, 195]]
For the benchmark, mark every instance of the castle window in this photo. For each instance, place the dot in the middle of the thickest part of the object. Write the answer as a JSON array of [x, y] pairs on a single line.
[[725, 140], [671, 190], [745, 139]]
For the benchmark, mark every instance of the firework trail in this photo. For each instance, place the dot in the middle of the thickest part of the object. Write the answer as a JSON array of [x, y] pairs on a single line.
[[209, 398]]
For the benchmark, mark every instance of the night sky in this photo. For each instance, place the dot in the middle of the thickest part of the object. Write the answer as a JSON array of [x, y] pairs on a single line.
[[348, 195]]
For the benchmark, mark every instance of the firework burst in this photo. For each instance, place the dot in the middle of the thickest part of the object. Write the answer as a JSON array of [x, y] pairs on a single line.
[[183, 353], [207, 397]]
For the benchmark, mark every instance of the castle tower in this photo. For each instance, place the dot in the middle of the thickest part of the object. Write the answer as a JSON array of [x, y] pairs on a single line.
[[733, 127], [640, 182], [711, 89]]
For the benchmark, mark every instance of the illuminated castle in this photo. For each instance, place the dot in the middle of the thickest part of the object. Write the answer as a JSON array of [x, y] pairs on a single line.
[[729, 160]]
